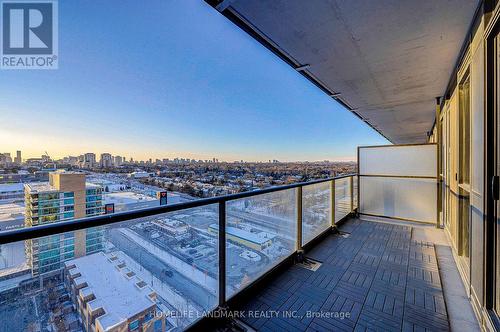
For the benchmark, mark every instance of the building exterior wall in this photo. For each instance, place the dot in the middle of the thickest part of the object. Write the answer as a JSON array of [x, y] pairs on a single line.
[[64, 199], [11, 195], [240, 240], [464, 201], [82, 294], [477, 158]]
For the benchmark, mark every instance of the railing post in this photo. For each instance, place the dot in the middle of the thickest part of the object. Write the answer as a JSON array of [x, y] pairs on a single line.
[[438, 159], [332, 204], [222, 253], [358, 179], [300, 252], [351, 180]]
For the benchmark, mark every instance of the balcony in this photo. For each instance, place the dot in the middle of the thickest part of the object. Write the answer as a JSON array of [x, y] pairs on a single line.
[[409, 243], [295, 257]]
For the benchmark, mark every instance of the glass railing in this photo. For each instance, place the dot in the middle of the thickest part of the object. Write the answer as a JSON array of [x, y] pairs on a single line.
[[261, 231], [159, 268], [316, 210], [343, 198]]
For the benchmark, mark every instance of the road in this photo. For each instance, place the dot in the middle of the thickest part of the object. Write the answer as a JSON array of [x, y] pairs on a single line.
[[187, 287]]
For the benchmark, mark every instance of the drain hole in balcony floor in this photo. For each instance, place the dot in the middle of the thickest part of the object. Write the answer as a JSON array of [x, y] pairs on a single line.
[[343, 234], [310, 264]]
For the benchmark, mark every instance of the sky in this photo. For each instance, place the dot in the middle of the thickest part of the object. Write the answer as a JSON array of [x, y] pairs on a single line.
[[165, 79]]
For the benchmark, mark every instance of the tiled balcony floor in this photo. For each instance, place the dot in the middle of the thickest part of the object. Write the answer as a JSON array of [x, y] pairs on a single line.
[[377, 275]]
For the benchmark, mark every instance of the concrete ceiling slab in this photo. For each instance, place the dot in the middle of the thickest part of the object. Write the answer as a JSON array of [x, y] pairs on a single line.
[[387, 59]]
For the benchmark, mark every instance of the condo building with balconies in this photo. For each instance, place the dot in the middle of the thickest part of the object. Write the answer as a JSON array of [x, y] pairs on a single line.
[[110, 297], [65, 197]]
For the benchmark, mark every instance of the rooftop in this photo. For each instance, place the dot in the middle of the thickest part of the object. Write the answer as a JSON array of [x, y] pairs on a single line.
[[10, 187], [35, 187], [118, 294], [258, 238], [127, 197], [41, 187]]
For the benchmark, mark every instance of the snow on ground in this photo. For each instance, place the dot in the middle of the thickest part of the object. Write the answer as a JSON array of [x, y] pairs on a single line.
[[251, 256], [12, 255], [126, 197], [189, 271]]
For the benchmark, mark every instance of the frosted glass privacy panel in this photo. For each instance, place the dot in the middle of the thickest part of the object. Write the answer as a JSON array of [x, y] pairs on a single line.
[[411, 199], [342, 198], [399, 160]]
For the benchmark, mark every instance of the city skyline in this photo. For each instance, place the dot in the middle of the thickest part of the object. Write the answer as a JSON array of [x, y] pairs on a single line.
[[127, 158], [161, 87]]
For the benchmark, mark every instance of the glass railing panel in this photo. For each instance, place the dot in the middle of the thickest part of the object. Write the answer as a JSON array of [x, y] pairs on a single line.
[[316, 216], [342, 198], [158, 272], [261, 232]]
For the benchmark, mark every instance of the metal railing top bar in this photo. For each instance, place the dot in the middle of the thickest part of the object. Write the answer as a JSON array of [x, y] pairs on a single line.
[[102, 220], [393, 145], [398, 176]]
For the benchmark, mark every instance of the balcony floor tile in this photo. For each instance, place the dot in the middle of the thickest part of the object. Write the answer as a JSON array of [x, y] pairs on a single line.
[[377, 277]]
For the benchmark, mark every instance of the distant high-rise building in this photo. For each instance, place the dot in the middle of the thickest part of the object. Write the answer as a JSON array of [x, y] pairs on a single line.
[[88, 160], [18, 159], [71, 160], [118, 161], [5, 158], [66, 196], [106, 160]]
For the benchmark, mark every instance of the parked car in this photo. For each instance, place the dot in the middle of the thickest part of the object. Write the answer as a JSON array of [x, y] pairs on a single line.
[[168, 273]]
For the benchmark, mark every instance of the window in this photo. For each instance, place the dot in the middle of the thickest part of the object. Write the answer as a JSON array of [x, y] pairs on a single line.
[[463, 167], [464, 134], [149, 316], [133, 325]]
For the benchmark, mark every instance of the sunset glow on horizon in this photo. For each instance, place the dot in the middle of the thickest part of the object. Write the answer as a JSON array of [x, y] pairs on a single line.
[[148, 84]]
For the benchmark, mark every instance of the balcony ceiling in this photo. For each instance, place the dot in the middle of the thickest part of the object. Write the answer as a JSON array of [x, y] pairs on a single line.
[[385, 60]]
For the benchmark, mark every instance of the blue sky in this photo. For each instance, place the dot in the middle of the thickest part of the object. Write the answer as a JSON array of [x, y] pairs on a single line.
[[165, 79]]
